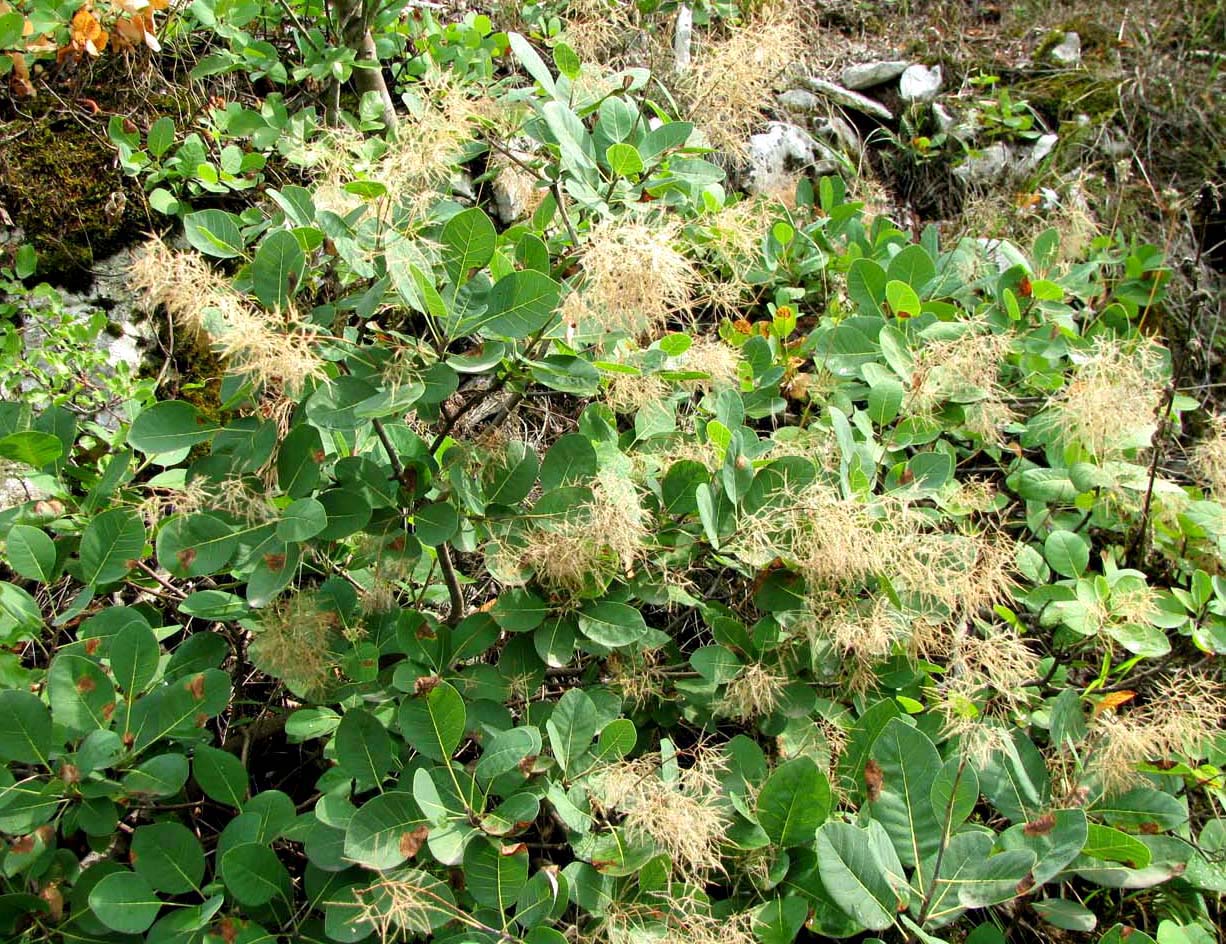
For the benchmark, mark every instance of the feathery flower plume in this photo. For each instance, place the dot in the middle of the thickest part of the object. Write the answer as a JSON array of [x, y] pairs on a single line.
[[293, 643], [1181, 712], [1110, 401], [633, 278], [273, 348], [730, 82]]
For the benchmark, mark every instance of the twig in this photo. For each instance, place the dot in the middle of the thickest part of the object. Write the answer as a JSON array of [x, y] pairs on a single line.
[[453, 585]]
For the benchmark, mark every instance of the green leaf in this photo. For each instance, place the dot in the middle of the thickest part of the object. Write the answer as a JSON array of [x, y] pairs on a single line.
[[134, 654], [195, 545], [25, 728], [19, 614], [1016, 780], [221, 776], [468, 239], [31, 447], [866, 282], [617, 739], [1066, 914], [964, 852], [493, 878], [533, 64], [567, 60], [955, 791], [433, 723], [124, 902], [302, 520], [169, 857], [382, 833], [855, 878], [161, 136], [571, 727], [793, 802], [1056, 839], [506, 750], [909, 765], [298, 461], [253, 874], [363, 749], [624, 160], [276, 270], [998, 878], [214, 232], [160, 776], [1112, 845], [436, 523], [168, 427], [612, 624], [31, 553], [1067, 553], [1143, 808], [81, 694], [520, 304], [110, 544], [912, 266], [902, 299]]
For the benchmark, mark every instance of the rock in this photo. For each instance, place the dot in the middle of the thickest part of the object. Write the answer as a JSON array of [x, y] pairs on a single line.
[[847, 98], [868, 74], [801, 100], [840, 133], [683, 33], [1067, 52], [987, 167], [1042, 147], [15, 488], [919, 83], [782, 150], [945, 119]]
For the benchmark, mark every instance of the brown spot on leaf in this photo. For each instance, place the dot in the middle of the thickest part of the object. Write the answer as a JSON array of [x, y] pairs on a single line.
[[1026, 885], [128, 739], [69, 773], [1150, 829], [92, 645], [318, 456], [411, 842], [195, 685], [526, 765], [514, 850], [425, 684], [186, 557], [22, 845], [55, 901], [274, 562], [85, 685], [108, 710], [873, 780], [1040, 826]]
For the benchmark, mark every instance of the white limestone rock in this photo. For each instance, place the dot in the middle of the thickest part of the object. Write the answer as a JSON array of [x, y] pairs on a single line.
[[866, 75], [919, 83]]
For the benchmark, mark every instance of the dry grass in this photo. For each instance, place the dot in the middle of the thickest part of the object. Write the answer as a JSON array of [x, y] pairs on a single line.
[[753, 693], [1209, 458], [963, 370]]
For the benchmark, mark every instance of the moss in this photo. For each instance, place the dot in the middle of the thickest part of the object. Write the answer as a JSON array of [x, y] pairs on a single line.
[[1061, 96], [57, 179]]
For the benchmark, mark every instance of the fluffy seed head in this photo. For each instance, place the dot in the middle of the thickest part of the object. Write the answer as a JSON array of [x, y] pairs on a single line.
[[1110, 401], [730, 82], [633, 279], [1209, 458], [1180, 713], [753, 693], [293, 643]]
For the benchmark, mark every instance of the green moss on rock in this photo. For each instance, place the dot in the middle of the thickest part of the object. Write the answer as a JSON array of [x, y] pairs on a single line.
[[59, 183]]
